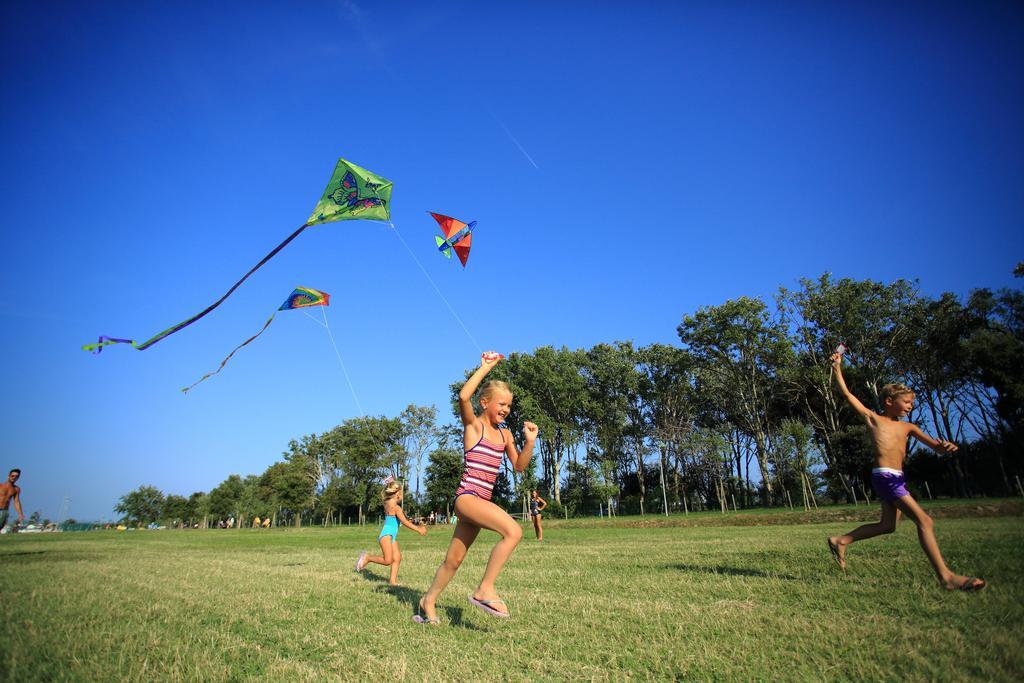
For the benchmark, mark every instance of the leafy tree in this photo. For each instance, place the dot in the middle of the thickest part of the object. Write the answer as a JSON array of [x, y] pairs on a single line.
[[141, 506], [667, 392], [742, 352], [612, 383], [419, 434], [995, 350], [224, 498], [443, 474], [367, 447], [291, 488], [552, 380], [175, 509], [198, 507]]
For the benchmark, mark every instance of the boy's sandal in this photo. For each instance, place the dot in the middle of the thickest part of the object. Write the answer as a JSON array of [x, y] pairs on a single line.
[[972, 584]]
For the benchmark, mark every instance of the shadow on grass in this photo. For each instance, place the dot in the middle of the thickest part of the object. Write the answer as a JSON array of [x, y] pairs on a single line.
[[4, 556], [49, 556], [411, 597], [730, 571]]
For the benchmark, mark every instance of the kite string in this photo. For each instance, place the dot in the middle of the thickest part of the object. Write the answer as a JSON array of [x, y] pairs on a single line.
[[306, 313], [323, 309], [436, 288], [344, 370]]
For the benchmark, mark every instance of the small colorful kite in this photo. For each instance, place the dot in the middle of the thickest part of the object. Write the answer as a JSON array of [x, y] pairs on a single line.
[[352, 193], [302, 297], [457, 236]]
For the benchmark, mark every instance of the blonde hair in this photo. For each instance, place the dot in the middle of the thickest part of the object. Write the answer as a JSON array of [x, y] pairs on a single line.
[[893, 390], [391, 490], [492, 386]]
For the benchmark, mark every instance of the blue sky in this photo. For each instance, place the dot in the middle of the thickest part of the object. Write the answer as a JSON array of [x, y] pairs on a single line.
[[626, 163]]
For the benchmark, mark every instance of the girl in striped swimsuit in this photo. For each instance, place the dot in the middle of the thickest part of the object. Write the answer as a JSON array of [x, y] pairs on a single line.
[[484, 442]]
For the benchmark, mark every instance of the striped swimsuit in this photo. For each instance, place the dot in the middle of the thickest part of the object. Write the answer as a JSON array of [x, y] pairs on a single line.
[[481, 467]]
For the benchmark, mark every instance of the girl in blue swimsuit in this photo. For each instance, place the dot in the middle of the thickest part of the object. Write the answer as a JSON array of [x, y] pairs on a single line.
[[390, 555]]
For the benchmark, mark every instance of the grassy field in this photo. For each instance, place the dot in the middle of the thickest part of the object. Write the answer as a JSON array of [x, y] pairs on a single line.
[[751, 598]]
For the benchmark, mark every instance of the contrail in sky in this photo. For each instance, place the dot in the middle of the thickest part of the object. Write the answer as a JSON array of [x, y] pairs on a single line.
[[513, 139]]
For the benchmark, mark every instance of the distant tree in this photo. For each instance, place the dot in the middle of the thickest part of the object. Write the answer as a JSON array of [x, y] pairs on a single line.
[[552, 380], [743, 353], [419, 435], [367, 447], [669, 405], [175, 509], [198, 508], [141, 506], [291, 488], [224, 498], [611, 385], [995, 350], [249, 503], [443, 474]]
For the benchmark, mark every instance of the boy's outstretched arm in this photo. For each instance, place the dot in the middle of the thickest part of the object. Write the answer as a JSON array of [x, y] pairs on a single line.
[[837, 366], [937, 445]]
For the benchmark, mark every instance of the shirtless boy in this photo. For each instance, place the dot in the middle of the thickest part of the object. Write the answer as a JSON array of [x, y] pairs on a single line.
[[9, 492], [889, 434]]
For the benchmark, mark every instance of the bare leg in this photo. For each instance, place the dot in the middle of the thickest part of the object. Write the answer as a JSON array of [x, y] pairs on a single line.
[[537, 529], [396, 560], [926, 536], [386, 556], [487, 515], [465, 533], [885, 525]]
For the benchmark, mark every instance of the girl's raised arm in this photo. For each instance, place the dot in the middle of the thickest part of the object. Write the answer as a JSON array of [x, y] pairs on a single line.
[[487, 362]]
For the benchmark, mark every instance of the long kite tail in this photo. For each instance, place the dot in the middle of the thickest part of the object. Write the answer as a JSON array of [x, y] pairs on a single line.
[[225, 361], [107, 341]]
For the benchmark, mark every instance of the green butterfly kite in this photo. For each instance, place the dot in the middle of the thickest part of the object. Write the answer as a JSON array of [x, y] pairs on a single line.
[[352, 193]]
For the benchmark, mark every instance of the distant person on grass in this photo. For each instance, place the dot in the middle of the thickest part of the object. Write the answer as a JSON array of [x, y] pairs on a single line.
[[484, 441], [537, 504], [8, 493], [390, 555], [890, 433]]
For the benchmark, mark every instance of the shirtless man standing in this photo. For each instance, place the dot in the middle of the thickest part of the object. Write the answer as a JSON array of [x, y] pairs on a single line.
[[890, 434], [9, 492]]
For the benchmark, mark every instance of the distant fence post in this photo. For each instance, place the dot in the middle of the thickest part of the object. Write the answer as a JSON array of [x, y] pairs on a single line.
[[1020, 488], [929, 490]]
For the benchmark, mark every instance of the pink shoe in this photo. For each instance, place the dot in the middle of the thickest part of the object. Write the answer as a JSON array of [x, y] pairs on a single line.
[[360, 563], [485, 606]]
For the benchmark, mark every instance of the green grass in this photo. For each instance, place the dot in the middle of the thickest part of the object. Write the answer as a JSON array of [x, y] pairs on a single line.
[[594, 601]]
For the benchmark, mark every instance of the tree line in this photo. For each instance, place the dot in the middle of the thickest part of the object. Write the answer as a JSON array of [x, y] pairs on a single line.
[[742, 412]]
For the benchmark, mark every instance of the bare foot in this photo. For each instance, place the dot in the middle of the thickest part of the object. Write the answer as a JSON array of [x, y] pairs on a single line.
[[395, 584], [968, 584], [838, 551], [429, 612]]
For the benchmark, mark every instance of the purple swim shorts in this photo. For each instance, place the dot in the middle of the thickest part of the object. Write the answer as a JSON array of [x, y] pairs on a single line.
[[888, 483]]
